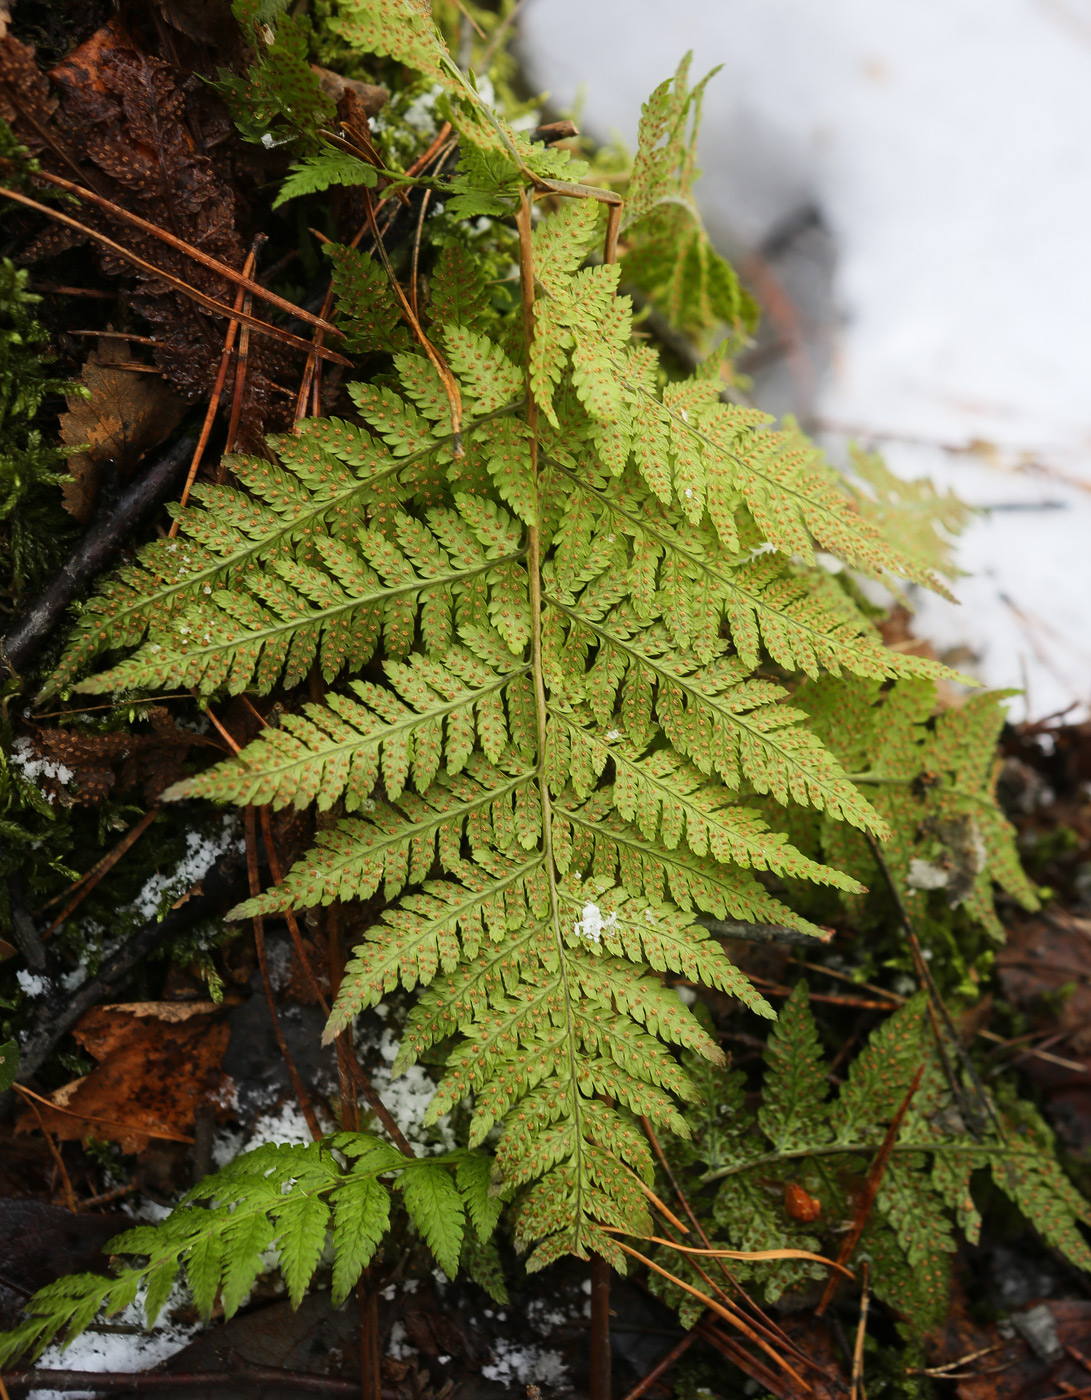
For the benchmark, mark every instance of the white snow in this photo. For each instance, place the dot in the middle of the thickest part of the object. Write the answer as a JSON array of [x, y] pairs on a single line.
[[407, 1097], [526, 1365], [944, 143], [118, 1351], [593, 923], [202, 852], [33, 766], [31, 983]]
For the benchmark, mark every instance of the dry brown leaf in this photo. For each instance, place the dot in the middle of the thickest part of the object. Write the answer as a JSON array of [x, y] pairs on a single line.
[[157, 1061], [127, 414]]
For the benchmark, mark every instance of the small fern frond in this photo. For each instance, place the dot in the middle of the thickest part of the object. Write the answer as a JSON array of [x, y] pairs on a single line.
[[670, 255], [297, 1199], [316, 173]]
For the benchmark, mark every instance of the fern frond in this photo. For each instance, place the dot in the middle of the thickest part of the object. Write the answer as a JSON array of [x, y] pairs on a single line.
[[395, 848], [557, 751], [329, 167], [670, 256]]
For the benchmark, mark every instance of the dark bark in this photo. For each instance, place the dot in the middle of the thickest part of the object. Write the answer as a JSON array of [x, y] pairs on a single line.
[[91, 555], [140, 1383]]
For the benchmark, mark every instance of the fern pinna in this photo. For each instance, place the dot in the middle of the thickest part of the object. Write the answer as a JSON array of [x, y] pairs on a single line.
[[554, 595]]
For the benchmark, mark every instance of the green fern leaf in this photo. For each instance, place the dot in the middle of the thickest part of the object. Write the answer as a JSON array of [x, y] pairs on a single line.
[[436, 1208], [361, 1217], [793, 1111], [316, 173]]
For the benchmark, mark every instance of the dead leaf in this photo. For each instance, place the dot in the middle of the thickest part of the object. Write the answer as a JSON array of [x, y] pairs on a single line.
[[99, 764], [996, 1362], [126, 415], [1045, 969], [157, 1061]]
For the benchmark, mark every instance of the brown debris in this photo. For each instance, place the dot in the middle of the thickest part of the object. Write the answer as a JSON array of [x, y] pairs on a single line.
[[127, 414], [157, 1062]]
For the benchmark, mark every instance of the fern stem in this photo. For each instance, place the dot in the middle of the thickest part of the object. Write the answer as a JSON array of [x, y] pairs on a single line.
[[534, 550], [859, 1148]]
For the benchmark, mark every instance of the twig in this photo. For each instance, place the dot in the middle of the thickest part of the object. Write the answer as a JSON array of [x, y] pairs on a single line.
[[741, 1358], [719, 1308], [774, 989], [160, 274], [762, 1321], [86, 883], [66, 1180], [749, 1255], [91, 555], [135, 1128], [137, 1382], [105, 1198], [765, 933], [871, 1190], [439, 364], [857, 1386], [943, 1371], [663, 1365], [211, 411], [222, 269], [936, 1002], [258, 923], [600, 1329]]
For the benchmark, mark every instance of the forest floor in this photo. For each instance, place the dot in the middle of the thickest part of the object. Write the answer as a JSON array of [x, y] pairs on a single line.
[[156, 1053]]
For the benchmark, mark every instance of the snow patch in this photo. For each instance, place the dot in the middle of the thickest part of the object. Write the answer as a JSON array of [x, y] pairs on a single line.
[[525, 1365], [202, 852], [31, 983], [124, 1352], [33, 767], [593, 923]]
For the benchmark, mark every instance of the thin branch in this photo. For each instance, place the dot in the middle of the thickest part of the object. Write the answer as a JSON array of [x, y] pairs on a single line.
[[225, 270], [719, 1308], [871, 1190], [210, 413], [298, 1087], [136, 1383], [66, 1180], [138, 1129], [86, 883], [663, 1365], [160, 274], [439, 364], [857, 1387], [90, 557]]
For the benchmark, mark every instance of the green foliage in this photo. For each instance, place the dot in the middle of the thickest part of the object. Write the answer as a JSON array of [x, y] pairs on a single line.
[[551, 772], [800, 1138], [563, 639], [932, 776], [31, 468], [280, 98], [331, 166], [669, 255], [307, 1202]]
